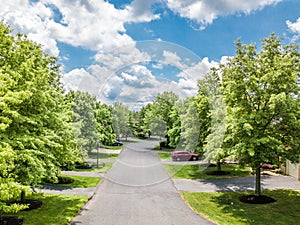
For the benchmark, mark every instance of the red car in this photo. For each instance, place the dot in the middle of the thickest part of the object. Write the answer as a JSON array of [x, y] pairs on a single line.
[[184, 155]]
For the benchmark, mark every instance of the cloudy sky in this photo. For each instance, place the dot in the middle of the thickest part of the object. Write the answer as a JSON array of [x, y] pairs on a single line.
[[130, 50]]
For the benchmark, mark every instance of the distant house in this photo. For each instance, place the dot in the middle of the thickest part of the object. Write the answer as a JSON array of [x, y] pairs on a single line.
[[293, 169]]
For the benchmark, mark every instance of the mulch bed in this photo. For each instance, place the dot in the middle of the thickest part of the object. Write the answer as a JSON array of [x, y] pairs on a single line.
[[217, 173], [11, 220], [253, 199], [32, 204], [14, 220], [65, 180]]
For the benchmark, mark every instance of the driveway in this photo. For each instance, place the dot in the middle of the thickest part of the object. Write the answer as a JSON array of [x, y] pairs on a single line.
[[137, 190]]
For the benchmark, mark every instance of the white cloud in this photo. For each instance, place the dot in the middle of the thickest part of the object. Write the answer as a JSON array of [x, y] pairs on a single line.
[[91, 24], [119, 70], [139, 76], [294, 27], [31, 19], [129, 78], [121, 57], [203, 12], [190, 76], [141, 10], [74, 78], [172, 58], [198, 70]]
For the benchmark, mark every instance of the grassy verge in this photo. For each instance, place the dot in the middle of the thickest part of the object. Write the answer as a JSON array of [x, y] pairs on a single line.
[[80, 182], [164, 155], [93, 155], [102, 169], [158, 148], [224, 208], [114, 147], [193, 171], [56, 209]]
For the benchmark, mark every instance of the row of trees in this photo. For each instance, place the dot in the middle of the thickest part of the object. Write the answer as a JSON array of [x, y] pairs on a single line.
[[42, 129], [247, 109]]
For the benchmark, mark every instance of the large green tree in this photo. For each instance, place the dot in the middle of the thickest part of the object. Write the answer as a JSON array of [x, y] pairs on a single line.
[[213, 117], [165, 108], [202, 103], [120, 120], [263, 108], [35, 123], [104, 123], [189, 129], [84, 120]]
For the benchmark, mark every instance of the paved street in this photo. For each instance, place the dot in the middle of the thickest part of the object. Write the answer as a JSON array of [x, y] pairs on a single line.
[[137, 190]]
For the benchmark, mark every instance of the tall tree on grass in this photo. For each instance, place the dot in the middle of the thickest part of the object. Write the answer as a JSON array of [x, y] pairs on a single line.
[[210, 87], [104, 123], [263, 106], [165, 108], [120, 120], [84, 107], [190, 126], [202, 104], [34, 121]]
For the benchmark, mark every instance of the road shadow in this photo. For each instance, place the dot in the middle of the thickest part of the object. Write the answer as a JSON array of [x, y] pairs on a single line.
[[226, 201], [282, 211], [239, 184]]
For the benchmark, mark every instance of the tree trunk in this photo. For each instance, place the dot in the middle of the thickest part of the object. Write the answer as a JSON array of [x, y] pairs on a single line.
[[218, 165], [23, 196], [257, 182]]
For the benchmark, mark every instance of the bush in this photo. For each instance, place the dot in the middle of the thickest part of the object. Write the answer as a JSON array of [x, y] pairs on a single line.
[[163, 144], [84, 165]]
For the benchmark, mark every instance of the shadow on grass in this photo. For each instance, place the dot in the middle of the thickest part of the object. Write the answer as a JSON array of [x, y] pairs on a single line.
[[284, 211], [79, 182], [56, 209], [224, 208], [247, 183], [194, 171]]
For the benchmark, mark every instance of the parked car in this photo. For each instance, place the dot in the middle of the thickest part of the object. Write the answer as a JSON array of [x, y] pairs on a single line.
[[184, 155], [117, 143]]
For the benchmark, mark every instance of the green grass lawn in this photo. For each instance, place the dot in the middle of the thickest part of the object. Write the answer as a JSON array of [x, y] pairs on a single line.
[[158, 148], [56, 209], [164, 155], [101, 169], [80, 182], [93, 155], [114, 147], [193, 171], [224, 208]]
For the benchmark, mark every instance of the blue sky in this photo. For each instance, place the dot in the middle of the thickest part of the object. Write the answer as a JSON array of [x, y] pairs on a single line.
[[131, 50]]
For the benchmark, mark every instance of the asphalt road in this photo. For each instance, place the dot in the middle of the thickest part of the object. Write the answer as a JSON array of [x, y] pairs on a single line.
[[137, 191]]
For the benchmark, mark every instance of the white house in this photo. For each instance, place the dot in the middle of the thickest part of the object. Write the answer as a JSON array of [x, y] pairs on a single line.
[[293, 169]]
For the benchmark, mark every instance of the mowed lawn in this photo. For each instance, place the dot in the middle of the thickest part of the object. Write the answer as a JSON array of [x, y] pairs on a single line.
[[79, 182], [56, 209], [193, 171], [224, 208]]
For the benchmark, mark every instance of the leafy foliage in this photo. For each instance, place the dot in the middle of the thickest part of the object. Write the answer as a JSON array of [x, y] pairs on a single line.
[[262, 98], [120, 120], [35, 122]]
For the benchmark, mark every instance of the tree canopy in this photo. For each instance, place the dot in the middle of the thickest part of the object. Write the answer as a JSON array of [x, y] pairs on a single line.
[[262, 98], [35, 123]]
